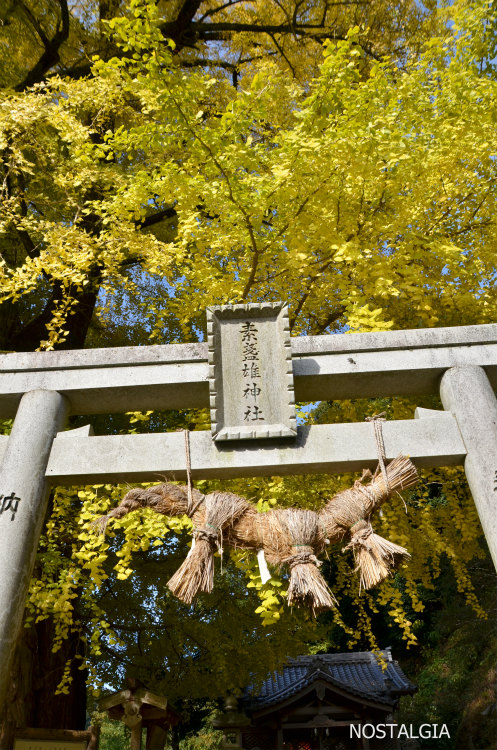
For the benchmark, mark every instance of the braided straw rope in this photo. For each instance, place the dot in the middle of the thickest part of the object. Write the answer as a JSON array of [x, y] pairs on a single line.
[[290, 537]]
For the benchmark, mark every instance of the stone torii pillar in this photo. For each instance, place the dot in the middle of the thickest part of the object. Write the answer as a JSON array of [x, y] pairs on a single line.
[[468, 394], [23, 504]]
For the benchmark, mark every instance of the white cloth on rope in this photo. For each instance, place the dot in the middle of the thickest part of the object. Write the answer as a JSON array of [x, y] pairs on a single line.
[[263, 568]]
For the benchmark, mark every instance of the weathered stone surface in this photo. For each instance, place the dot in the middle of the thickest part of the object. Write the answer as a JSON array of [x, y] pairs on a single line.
[[110, 389], [318, 448], [467, 393], [369, 374], [413, 338], [177, 376], [123, 356], [23, 501], [250, 372]]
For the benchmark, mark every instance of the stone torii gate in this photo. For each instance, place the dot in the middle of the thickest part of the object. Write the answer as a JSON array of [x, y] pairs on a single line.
[[254, 431]]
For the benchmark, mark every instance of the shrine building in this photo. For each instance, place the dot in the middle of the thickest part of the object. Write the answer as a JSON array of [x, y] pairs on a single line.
[[313, 701]]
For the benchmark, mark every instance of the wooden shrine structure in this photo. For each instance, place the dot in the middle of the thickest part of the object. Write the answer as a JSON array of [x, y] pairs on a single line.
[[313, 701], [249, 372]]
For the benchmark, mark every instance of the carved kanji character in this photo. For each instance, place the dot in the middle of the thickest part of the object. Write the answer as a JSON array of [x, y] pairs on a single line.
[[249, 331], [9, 502], [253, 390]]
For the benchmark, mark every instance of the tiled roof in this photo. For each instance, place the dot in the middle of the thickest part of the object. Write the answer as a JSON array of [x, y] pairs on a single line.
[[358, 673]]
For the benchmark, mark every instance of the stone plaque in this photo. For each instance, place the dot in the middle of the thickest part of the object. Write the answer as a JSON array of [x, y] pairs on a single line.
[[250, 372]]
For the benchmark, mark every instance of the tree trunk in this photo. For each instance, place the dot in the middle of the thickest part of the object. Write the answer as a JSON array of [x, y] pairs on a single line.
[[36, 673], [27, 338], [7, 735]]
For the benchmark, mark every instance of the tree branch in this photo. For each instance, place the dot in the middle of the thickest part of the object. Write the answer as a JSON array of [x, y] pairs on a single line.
[[34, 22], [158, 216], [309, 287], [280, 50], [210, 13], [321, 327], [281, 28], [50, 56], [204, 62], [181, 29]]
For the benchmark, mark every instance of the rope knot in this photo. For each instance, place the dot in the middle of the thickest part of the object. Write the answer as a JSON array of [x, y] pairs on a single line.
[[377, 417], [360, 533], [211, 536], [304, 556], [367, 491]]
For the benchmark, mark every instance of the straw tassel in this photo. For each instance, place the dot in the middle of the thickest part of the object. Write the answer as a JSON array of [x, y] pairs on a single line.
[[307, 586], [301, 534], [196, 574], [375, 557]]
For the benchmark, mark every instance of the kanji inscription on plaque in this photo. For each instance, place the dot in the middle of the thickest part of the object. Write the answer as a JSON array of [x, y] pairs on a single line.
[[250, 372]]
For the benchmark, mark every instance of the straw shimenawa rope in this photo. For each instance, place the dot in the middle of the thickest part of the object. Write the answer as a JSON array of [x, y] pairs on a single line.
[[291, 537]]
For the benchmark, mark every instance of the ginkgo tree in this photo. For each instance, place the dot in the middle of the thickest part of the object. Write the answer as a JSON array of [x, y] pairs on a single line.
[[367, 202], [227, 36], [365, 197]]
